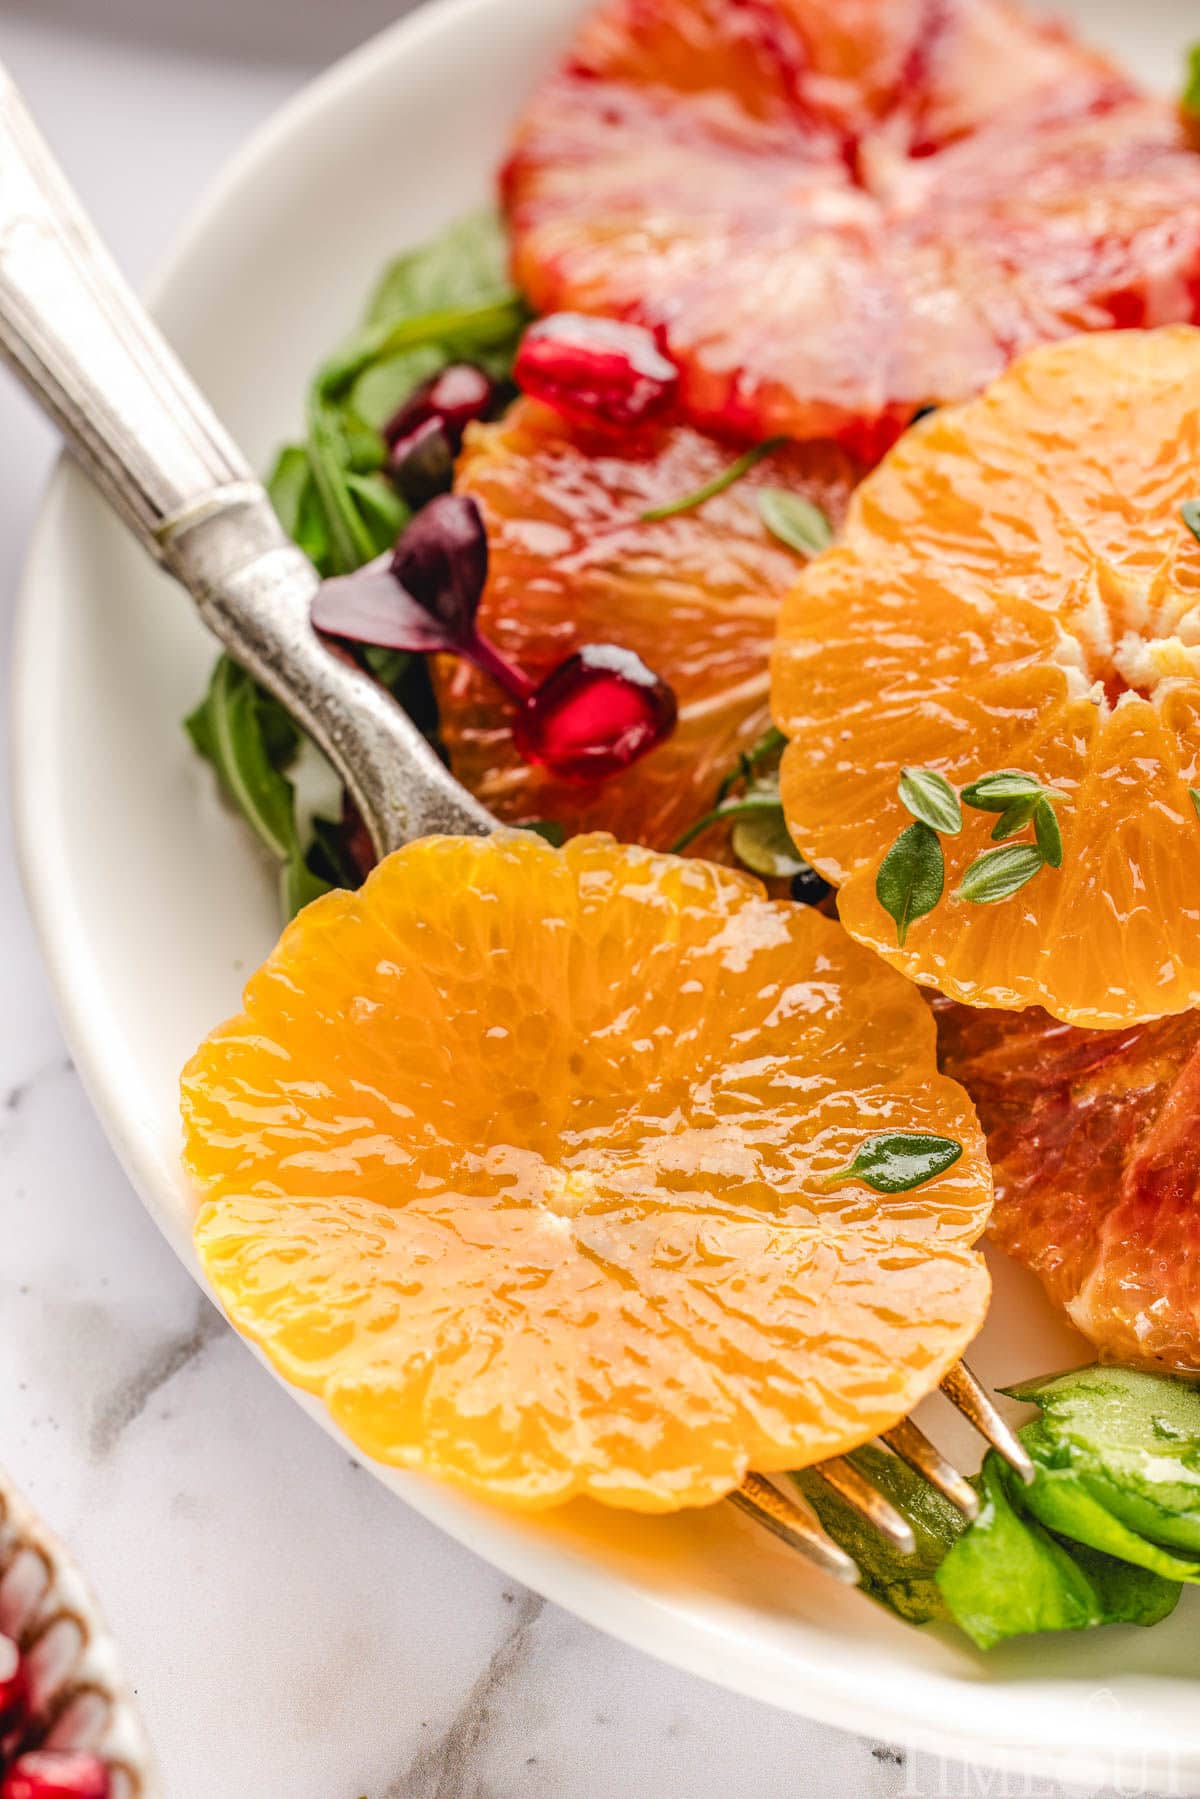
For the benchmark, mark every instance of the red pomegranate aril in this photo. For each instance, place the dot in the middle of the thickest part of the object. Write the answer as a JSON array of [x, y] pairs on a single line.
[[14, 1687], [596, 372], [57, 1774], [455, 397], [595, 714]]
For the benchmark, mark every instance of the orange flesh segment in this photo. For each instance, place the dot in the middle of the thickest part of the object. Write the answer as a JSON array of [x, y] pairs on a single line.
[[572, 562], [518, 1158], [1094, 1138], [837, 211], [1014, 588]]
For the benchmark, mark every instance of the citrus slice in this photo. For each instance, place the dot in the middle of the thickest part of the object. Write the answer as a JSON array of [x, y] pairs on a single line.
[[1094, 1138], [572, 561], [1015, 589], [521, 1159], [837, 211]]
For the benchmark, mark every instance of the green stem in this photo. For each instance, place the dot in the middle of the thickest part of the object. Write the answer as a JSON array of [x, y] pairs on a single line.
[[744, 808], [478, 326], [727, 478]]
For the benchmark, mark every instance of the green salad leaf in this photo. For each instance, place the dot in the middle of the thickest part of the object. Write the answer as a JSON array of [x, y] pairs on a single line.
[[1008, 1576], [252, 742], [447, 299], [1107, 1532]]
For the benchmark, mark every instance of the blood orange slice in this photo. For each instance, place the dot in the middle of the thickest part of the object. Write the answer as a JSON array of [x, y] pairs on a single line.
[[837, 211], [574, 561], [536, 1166], [1094, 1138]]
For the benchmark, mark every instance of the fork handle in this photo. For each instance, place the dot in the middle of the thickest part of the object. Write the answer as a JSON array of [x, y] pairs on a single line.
[[81, 341]]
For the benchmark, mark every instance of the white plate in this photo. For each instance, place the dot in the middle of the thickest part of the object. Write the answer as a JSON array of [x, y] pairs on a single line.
[[152, 906]]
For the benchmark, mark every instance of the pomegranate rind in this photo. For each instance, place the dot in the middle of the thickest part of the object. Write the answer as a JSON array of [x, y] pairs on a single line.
[[572, 561], [519, 1159], [1094, 1139], [834, 212], [1014, 589]]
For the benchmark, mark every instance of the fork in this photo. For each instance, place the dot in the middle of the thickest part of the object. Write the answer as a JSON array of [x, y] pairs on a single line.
[[78, 337]]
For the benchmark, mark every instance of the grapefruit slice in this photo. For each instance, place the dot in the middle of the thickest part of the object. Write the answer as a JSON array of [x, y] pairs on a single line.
[[837, 211], [1016, 589], [536, 1165], [1094, 1138], [573, 561]]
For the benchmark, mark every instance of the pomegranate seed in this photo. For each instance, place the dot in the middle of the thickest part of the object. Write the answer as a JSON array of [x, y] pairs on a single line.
[[455, 396], [56, 1774], [426, 434], [14, 1687], [596, 371], [595, 714]]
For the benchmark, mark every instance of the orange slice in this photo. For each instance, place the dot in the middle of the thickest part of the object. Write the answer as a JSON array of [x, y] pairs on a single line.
[[837, 211], [1094, 1138], [1015, 588], [520, 1159], [573, 562]]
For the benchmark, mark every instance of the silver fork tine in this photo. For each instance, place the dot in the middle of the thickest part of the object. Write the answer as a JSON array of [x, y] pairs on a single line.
[[912, 1446], [793, 1523], [870, 1504], [963, 1390]]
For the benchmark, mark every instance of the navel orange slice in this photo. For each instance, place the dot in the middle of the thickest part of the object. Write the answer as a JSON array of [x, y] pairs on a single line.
[[574, 561], [1015, 589], [521, 1159], [1095, 1144], [837, 211]]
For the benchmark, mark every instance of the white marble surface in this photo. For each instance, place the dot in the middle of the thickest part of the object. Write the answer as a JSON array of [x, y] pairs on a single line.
[[293, 1632]]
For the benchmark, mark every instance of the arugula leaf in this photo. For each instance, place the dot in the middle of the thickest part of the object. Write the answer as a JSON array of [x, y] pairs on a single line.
[[1190, 510], [898, 1161], [929, 796], [998, 874], [795, 521], [1194, 796], [298, 505], [719, 483], [251, 741], [911, 877], [445, 299]]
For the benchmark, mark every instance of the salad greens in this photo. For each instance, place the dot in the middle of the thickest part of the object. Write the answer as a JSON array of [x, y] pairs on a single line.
[[1108, 1531], [448, 300], [749, 798]]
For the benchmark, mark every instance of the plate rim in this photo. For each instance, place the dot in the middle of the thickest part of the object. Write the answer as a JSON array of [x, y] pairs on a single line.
[[830, 1692]]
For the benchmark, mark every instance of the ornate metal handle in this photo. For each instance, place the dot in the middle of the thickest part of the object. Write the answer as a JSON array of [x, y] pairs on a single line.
[[83, 344]]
